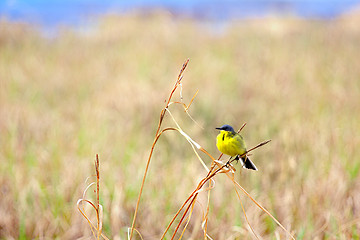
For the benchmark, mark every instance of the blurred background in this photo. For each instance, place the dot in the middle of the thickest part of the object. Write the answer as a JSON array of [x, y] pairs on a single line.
[[79, 78]]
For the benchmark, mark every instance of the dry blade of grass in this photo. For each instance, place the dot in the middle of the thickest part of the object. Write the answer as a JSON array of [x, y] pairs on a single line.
[[193, 196], [217, 167], [96, 230], [221, 168], [212, 173], [157, 135]]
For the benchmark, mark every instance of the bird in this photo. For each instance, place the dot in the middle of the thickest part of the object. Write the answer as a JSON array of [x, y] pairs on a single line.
[[231, 143]]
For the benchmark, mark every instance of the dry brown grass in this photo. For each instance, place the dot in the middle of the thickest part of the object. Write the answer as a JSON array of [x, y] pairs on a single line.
[[62, 100]]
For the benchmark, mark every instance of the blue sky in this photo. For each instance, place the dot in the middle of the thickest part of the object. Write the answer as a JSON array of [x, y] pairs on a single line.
[[53, 12]]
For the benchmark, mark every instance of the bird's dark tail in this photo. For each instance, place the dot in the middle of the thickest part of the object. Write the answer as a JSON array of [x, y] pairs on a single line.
[[247, 163]]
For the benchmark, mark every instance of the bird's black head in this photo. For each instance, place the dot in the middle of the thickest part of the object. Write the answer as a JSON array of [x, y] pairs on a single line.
[[226, 128]]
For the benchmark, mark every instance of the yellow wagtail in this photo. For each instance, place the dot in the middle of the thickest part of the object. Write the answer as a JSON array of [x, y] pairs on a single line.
[[231, 143]]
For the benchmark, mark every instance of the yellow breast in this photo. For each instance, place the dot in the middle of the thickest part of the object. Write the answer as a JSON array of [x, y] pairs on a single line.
[[231, 144]]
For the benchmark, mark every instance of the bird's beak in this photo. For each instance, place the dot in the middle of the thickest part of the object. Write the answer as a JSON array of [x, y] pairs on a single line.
[[218, 128]]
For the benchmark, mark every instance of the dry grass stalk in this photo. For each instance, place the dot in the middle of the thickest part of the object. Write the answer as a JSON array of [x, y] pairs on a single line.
[[217, 167], [157, 135], [96, 230]]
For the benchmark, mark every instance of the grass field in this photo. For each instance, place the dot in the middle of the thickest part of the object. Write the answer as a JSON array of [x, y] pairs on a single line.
[[65, 99]]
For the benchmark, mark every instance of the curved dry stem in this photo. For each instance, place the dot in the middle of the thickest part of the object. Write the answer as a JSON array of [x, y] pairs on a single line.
[[195, 192], [82, 211], [248, 195], [187, 221], [93, 229], [87, 188], [184, 214], [242, 206], [189, 139], [129, 230], [98, 209], [177, 213], [145, 174], [204, 225], [187, 112], [186, 108], [216, 167], [96, 231], [262, 208], [157, 135], [192, 196], [213, 172]]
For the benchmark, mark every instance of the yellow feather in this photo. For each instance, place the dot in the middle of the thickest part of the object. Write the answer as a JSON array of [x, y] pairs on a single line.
[[230, 143]]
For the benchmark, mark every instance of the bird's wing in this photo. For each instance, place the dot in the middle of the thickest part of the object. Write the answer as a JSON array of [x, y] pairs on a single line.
[[240, 143]]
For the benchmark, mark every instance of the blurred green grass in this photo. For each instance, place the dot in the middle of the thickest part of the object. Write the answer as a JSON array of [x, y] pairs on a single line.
[[63, 100]]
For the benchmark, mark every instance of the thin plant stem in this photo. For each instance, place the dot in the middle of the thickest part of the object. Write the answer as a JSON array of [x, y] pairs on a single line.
[[157, 135]]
